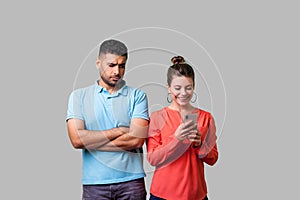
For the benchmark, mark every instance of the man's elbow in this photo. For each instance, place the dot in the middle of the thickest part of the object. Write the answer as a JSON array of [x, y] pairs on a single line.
[[138, 142], [77, 144]]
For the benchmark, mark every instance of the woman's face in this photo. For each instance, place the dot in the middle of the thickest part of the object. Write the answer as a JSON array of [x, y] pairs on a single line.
[[181, 89]]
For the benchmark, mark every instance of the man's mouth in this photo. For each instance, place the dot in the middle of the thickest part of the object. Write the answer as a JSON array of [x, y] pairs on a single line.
[[115, 78]]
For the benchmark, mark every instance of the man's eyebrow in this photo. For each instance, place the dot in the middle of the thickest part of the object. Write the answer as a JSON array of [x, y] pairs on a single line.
[[114, 64]]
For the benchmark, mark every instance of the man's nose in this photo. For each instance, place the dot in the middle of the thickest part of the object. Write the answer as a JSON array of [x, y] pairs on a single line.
[[116, 69]]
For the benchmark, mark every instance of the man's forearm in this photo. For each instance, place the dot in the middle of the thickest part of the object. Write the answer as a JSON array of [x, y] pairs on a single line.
[[95, 139], [124, 142], [132, 140], [116, 139]]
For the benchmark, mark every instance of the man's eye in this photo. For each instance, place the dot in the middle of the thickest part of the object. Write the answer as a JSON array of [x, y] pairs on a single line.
[[189, 88], [122, 66], [177, 88]]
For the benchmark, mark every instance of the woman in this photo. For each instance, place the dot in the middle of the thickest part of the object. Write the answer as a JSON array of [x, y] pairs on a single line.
[[178, 148]]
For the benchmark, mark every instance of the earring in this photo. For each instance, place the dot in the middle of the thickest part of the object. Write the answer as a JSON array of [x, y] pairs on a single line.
[[194, 95], [168, 98]]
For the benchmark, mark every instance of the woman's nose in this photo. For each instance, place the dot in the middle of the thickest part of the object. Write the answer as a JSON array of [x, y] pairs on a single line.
[[183, 91]]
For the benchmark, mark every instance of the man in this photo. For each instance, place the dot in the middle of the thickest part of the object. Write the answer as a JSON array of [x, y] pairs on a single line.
[[109, 121]]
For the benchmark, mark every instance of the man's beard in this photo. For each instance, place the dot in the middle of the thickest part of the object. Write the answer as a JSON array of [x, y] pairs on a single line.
[[111, 84]]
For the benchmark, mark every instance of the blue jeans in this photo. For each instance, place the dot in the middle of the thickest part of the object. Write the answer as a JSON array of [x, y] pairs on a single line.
[[152, 197], [131, 190]]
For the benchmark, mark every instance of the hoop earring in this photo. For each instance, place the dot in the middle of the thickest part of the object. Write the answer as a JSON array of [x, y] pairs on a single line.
[[194, 94], [168, 99]]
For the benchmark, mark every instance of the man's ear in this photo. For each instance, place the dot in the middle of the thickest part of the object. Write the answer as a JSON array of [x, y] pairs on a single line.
[[98, 63]]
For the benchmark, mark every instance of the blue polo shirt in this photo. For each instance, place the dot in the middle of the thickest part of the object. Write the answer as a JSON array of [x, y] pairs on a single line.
[[101, 110]]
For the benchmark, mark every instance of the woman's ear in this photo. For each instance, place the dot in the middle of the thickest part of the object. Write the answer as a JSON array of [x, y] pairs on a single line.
[[169, 89]]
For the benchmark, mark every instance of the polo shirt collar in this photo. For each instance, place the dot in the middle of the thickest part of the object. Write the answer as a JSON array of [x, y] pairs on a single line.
[[123, 88]]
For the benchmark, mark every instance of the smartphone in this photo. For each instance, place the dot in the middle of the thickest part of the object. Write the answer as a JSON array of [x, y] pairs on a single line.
[[191, 116]]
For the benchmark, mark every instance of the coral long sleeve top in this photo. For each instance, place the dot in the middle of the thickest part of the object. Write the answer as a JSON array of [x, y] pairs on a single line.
[[179, 172]]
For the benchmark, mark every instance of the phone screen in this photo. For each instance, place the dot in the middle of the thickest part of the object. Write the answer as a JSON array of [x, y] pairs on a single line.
[[192, 116]]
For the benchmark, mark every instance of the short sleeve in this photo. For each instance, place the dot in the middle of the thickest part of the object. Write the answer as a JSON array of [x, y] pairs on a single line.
[[140, 107], [75, 106]]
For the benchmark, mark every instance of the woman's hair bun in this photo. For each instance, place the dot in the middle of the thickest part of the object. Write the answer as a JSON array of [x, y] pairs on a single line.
[[178, 60]]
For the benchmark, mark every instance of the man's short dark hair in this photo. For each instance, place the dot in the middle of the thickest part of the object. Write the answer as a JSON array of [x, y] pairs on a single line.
[[113, 47]]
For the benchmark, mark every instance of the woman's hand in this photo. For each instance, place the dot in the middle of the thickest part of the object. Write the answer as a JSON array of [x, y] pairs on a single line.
[[186, 130], [195, 138]]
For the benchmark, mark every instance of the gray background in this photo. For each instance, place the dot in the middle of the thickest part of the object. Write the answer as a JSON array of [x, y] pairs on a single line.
[[255, 45]]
